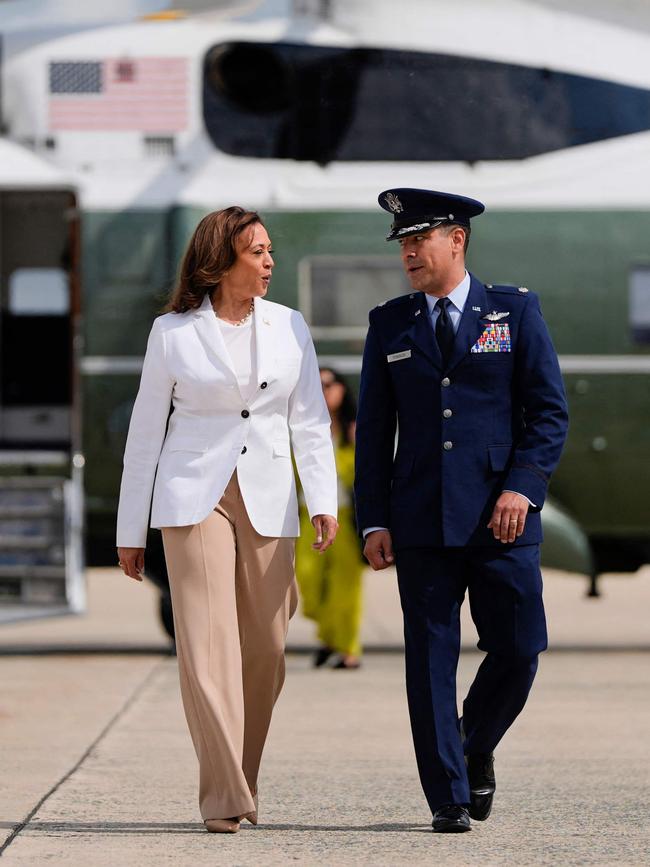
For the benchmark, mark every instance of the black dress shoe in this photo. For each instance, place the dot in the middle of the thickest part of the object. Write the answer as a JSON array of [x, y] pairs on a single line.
[[322, 655], [451, 819], [482, 784]]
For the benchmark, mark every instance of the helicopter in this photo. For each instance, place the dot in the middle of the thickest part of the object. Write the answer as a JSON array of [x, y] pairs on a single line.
[[306, 110]]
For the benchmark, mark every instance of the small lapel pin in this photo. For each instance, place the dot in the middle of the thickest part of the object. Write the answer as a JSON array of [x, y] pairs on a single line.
[[476, 309], [417, 312]]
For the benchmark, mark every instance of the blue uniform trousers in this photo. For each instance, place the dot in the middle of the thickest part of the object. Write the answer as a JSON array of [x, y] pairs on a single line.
[[505, 594]]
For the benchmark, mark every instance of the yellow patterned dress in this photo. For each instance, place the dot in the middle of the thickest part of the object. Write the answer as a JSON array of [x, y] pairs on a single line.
[[330, 583]]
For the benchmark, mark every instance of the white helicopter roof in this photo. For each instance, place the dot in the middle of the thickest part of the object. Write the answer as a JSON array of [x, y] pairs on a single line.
[[113, 170], [20, 169]]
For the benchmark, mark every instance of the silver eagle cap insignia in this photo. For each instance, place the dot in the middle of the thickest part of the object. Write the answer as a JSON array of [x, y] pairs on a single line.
[[494, 316], [394, 203]]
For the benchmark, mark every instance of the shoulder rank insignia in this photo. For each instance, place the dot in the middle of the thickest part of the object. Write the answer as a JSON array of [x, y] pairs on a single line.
[[495, 317]]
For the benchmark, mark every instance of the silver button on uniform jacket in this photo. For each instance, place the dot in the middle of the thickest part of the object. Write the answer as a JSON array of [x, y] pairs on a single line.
[[187, 365]]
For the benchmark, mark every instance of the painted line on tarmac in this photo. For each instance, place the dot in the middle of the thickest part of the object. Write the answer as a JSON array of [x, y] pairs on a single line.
[[106, 649], [100, 737]]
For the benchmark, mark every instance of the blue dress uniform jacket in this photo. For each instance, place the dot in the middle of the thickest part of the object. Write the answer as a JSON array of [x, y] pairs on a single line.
[[493, 418]]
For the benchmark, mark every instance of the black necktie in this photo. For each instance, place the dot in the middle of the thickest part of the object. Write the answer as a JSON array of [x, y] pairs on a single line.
[[444, 329]]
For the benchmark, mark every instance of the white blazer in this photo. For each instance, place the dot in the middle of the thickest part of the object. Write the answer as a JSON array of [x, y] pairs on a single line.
[[187, 364]]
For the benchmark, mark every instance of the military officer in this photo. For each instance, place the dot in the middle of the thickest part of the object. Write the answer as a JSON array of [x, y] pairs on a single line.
[[465, 373]]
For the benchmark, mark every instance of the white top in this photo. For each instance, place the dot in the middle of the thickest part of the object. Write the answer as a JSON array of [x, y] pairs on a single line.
[[240, 344]]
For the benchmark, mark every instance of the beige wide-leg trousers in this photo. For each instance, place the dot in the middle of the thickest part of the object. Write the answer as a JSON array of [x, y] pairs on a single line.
[[233, 592]]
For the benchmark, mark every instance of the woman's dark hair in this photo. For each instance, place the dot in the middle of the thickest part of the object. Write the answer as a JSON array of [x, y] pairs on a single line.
[[211, 252], [347, 412]]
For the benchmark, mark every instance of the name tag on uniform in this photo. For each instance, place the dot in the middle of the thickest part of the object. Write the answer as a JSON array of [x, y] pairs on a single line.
[[495, 338], [399, 356]]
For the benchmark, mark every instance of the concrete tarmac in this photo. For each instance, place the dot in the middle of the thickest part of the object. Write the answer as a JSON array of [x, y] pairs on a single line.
[[97, 767], [101, 771]]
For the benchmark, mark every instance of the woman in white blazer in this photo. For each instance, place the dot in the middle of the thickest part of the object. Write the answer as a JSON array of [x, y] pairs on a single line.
[[241, 375]]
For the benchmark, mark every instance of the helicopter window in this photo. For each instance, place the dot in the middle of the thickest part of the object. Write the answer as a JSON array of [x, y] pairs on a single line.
[[639, 296], [39, 292], [316, 103], [336, 292]]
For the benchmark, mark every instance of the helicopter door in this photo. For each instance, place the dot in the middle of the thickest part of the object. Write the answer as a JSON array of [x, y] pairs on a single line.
[[40, 466]]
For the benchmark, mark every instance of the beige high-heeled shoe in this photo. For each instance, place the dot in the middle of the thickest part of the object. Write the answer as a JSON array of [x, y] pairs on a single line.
[[252, 817], [222, 826]]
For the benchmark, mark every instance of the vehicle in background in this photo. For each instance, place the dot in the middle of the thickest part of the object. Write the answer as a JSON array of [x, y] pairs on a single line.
[[41, 458], [305, 111]]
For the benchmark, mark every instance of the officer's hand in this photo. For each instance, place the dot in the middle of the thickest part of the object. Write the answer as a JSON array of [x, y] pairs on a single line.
[[509, 517], [379, 549], [326, 527], [131, 561]]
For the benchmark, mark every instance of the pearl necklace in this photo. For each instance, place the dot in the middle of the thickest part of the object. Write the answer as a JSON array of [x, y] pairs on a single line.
[[244, 318], [250, 313]]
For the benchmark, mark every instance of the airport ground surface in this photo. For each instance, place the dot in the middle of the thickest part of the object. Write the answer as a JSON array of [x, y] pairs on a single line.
[[98, 768]]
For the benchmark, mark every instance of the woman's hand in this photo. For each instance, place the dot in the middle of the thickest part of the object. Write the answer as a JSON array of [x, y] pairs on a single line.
[[326, 527], [131, 560]]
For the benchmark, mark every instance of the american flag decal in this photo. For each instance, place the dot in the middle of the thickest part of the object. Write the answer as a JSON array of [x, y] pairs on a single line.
[[147, 94]]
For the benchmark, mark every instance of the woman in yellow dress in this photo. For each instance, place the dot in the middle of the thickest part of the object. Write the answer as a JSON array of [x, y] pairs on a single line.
[[330, 585]]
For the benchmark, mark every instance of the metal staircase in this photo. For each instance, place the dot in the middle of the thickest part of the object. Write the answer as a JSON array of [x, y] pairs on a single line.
[[40, 547]]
